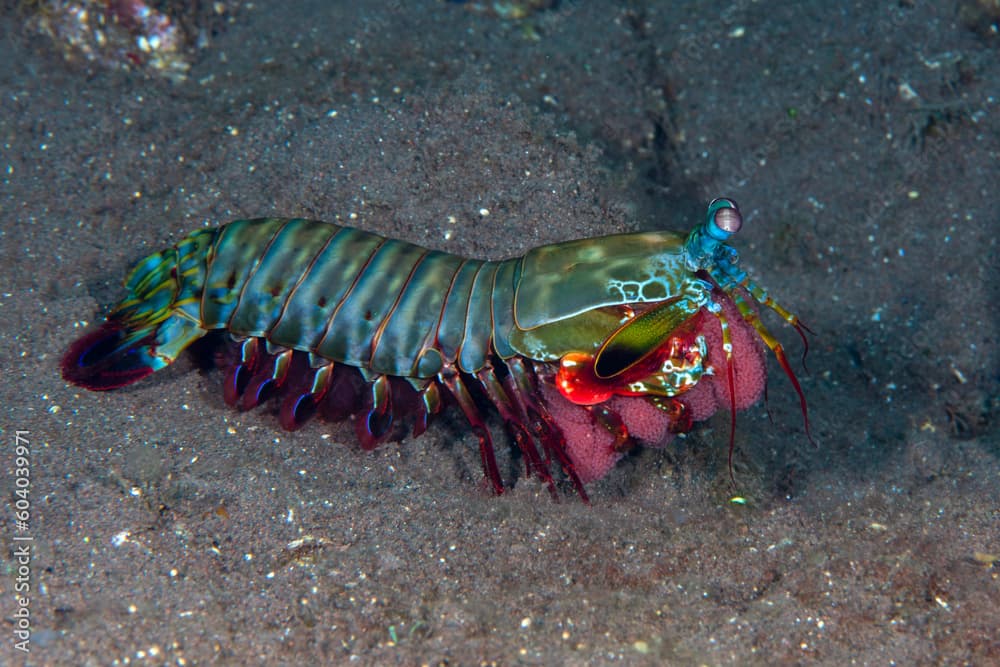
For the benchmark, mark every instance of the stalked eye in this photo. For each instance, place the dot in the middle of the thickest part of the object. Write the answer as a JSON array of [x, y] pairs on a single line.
[[724, 219], [729, 219]]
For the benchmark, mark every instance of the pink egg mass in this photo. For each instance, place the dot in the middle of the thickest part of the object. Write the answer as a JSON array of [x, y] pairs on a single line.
[[594, 448]]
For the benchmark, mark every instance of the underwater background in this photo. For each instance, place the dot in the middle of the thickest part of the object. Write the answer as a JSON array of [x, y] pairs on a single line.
[[862, 142]]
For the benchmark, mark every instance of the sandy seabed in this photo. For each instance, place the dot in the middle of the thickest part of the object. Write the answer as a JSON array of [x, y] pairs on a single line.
[[861, 142]]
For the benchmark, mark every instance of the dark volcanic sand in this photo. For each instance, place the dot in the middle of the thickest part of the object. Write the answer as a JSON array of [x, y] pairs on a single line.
[[861, 141]]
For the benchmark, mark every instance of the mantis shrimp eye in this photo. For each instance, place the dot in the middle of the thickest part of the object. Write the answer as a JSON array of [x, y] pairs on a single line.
[[728, 218]]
